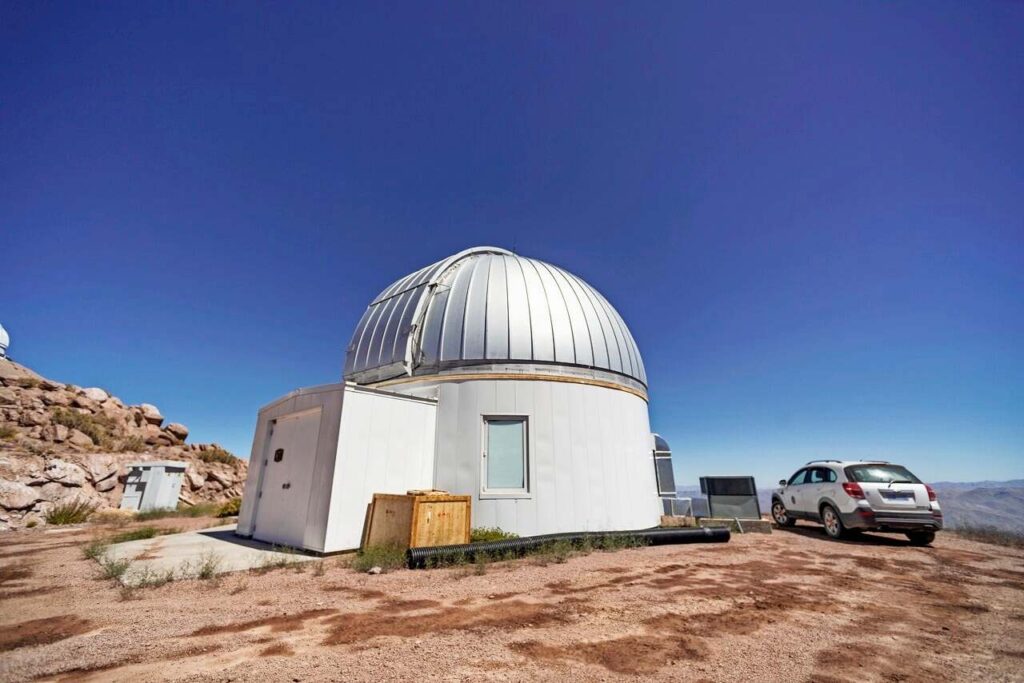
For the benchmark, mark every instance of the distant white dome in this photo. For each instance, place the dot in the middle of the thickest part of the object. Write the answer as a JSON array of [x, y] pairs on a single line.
[[5, 341], [489, 306]]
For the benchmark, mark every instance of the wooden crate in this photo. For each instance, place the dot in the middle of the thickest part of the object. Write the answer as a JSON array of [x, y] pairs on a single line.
[[418, 519]]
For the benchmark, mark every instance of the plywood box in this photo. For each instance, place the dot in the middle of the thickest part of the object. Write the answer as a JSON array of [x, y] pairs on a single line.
[[418, 519]]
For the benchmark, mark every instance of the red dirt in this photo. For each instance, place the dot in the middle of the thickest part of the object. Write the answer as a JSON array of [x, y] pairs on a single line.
[[792, 606]]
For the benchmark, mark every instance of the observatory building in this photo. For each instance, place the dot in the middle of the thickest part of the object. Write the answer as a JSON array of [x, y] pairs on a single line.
[[5, 341], [485, 374]]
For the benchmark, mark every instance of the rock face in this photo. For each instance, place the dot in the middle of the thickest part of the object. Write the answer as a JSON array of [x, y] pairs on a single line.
[[60, 443]]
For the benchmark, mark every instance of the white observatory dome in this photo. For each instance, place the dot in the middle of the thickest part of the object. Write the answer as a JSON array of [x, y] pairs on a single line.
[[488, 306], [5, 341]]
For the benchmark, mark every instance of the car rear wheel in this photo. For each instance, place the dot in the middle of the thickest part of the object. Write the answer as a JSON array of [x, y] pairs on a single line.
[[780, 515], [921, 537], [833, 525]]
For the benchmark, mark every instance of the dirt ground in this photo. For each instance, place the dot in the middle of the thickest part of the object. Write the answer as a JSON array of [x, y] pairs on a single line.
[[792, 606]]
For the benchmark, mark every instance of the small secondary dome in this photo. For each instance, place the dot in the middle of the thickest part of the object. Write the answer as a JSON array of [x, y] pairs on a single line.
[[489, 306]]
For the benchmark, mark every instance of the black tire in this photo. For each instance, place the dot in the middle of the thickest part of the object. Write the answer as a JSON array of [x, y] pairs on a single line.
[[780, 514], [832, 521], [921, 537]]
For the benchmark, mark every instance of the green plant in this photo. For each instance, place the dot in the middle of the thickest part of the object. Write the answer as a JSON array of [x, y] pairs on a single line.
[[319, 568], [32, 524], [114, 569], [35, 447], [209, 565], [96, 427], [8, 432], [279, 558], [387, 557], [73, 512], [230, 508], [132, 444], [137, 534], [95, 549], [215, 453], [28, 382], [148, 577], [555, 552], [613, 542], [486, 534], [200, 510]]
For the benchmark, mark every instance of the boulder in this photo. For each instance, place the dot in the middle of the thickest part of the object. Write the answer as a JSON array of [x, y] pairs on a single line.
[[100, 466], [7, 396], [77, 438], [225, 479], [16, 496], [64, 472], [151, 414], [85, 403], [56, 398], [195, 479], [95, 394], [56, 433], [152, 434], [107, 484], [49, 385], [51, 491], [31, 418], [179, 430]]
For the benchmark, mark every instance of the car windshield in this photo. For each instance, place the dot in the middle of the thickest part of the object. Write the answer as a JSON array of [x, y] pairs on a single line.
[[881, 474]]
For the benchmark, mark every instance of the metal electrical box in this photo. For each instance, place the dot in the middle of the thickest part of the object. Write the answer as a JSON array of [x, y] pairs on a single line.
[[153, 485], [731, 497]]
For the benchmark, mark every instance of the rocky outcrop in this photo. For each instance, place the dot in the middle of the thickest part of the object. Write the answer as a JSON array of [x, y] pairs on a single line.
[[59, 443]]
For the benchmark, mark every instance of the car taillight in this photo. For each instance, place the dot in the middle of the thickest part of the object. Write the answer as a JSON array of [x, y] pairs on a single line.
[[931, 493], [853, 489]]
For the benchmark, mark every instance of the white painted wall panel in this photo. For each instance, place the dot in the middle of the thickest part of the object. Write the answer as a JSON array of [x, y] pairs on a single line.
[[385, 445], [590, 455]]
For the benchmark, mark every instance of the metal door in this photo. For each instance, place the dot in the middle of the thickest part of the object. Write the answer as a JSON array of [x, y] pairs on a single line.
[[283, 498]]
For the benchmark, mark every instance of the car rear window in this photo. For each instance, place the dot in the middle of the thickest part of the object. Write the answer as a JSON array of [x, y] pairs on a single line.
[[880, 474]]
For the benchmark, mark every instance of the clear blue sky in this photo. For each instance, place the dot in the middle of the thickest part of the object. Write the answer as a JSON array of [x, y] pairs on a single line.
[[810, 214]]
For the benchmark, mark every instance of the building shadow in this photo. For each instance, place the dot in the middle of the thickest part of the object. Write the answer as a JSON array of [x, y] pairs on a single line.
[[227, 535]]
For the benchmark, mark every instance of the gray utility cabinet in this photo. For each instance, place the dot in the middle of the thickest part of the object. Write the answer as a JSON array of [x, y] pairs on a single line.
[[153, 485], [731, 497]]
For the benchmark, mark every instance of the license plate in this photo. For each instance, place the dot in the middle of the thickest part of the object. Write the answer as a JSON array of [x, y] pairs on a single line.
[[897, 495]]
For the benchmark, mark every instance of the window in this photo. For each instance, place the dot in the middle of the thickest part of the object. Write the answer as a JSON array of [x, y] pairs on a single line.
[[505, 455], [821, 475], [881, 474], [279, 455], [797, 478]]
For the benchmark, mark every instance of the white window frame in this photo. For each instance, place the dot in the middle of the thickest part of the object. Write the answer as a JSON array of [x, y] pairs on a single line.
[[486, 493]]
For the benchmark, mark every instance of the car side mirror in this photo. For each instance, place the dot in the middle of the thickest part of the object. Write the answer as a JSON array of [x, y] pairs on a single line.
[[782, 482]]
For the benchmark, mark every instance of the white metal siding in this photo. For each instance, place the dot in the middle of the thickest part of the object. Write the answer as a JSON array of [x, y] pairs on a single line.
[[589, 459], [385, 445], [489, 304]]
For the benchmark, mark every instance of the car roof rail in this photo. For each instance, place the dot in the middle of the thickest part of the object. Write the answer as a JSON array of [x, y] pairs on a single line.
[[814, 461]]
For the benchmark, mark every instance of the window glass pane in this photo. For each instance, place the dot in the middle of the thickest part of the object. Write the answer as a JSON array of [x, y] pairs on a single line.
[[666, 478], [505, 447], [881, 474]]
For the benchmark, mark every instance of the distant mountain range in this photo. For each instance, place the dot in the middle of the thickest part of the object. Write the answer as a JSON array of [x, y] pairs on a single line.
[[998, 504]]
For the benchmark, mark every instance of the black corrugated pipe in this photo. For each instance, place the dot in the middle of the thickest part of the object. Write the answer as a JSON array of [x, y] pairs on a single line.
[[418, 558]]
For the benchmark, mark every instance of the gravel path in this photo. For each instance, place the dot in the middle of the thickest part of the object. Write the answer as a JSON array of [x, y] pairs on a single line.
[[792, 606]]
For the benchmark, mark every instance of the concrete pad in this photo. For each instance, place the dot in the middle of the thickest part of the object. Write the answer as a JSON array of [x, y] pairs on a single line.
[[743, 526], [207, 551]]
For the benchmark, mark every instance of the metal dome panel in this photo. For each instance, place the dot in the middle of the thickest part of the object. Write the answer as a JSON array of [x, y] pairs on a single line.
[[488, 305]]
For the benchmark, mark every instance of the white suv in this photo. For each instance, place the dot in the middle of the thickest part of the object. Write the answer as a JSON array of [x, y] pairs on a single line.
[[858, 496]]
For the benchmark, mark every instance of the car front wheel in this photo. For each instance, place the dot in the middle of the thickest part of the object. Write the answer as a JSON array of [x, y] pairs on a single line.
[[921, 537], [780, 515], [833, 524]]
